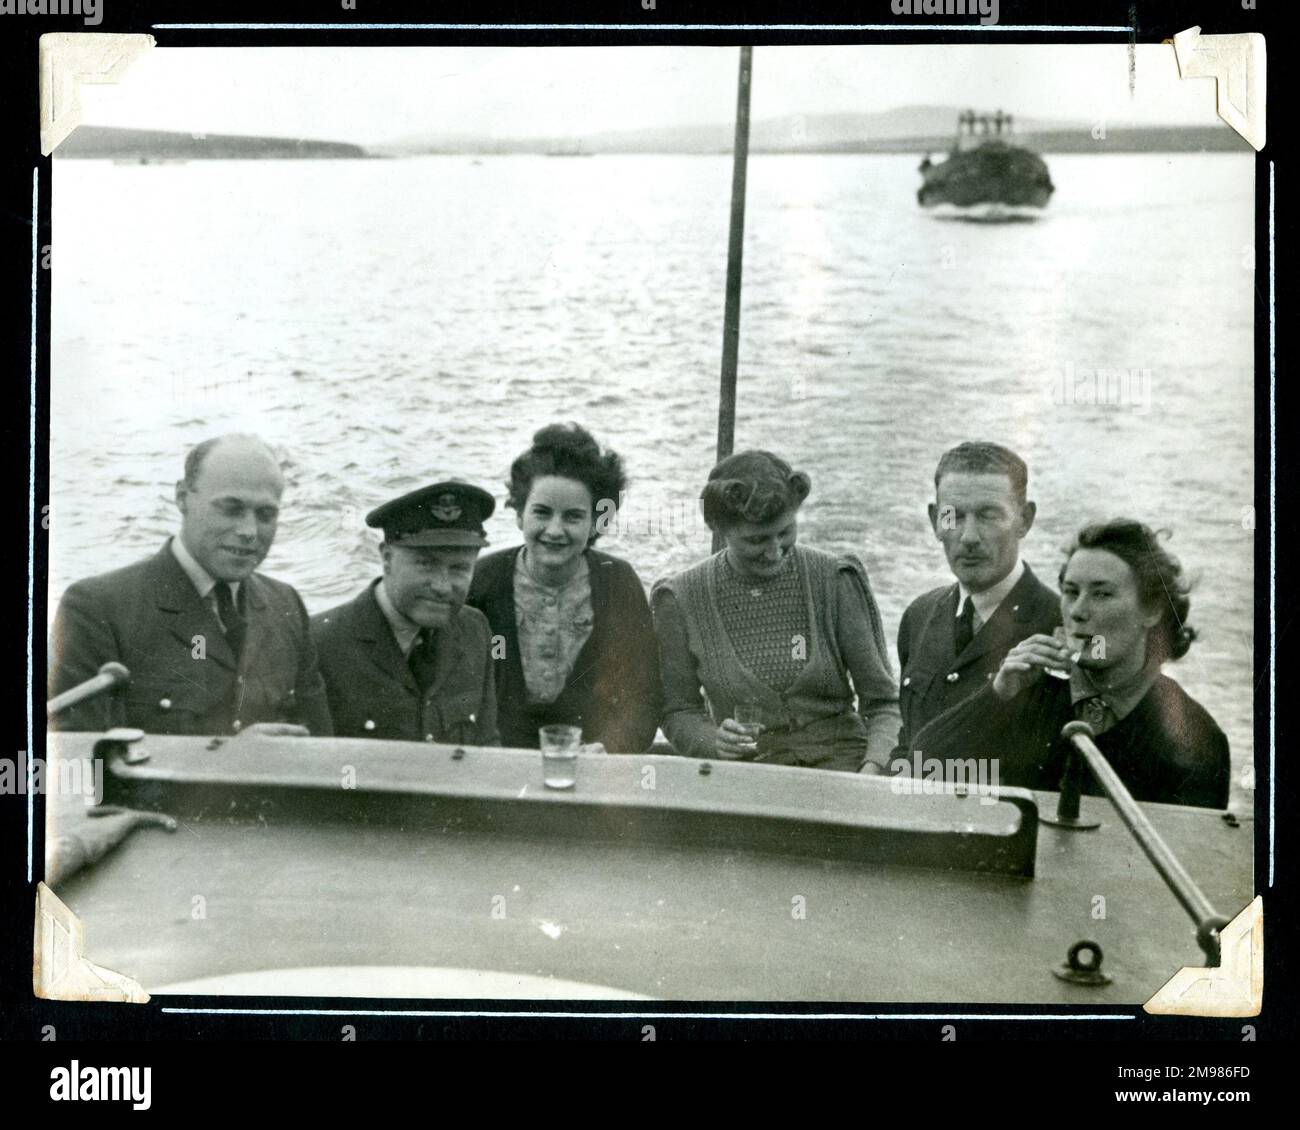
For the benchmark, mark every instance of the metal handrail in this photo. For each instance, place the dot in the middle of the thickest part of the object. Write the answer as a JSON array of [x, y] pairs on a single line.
[[1079, 736], [110, 675]]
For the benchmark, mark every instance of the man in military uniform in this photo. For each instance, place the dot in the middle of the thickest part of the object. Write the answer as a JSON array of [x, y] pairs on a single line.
[[406, 659], [213, 647], [952, 640]]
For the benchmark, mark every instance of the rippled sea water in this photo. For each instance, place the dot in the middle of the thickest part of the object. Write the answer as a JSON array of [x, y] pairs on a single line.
[[385, 322]]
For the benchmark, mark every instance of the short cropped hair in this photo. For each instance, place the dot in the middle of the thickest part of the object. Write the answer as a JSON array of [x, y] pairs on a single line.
[[982, 458], [199, 453], [752, 486], [1159, 576]]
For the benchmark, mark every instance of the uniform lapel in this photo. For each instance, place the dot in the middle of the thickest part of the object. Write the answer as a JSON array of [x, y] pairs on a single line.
[[186, 614], [1002, 627], [377, 639], [941, 631], [258, 630]]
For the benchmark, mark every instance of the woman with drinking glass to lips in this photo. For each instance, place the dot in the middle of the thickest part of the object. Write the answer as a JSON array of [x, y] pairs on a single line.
[[772, 627], [576, 642], [1124, 605]]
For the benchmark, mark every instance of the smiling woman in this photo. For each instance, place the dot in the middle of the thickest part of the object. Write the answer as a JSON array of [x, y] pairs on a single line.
[[577, 640], [765, 645]]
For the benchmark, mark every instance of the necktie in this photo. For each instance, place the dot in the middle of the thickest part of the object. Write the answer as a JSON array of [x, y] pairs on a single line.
[[234, 624], [965, 626], [423, 660]]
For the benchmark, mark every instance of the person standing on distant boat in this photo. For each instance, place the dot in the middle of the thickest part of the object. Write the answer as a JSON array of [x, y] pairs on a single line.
[[952, 640], [213, 646], [405, 659], [573, 640], [1125, 606], [765, 645]]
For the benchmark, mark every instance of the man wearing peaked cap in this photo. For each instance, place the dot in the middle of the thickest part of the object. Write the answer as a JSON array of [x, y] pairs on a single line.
[[406, 659]]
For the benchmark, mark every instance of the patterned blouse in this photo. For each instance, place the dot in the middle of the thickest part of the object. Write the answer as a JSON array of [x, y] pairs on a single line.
[[553, 626]]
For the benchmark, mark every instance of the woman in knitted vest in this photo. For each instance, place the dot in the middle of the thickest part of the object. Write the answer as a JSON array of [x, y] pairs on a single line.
[[786, 633]]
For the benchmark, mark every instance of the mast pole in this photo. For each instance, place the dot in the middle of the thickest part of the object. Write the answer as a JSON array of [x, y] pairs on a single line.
[[735, 250]]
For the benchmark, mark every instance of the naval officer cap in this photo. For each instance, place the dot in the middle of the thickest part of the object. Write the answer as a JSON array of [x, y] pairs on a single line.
[[451, 513]]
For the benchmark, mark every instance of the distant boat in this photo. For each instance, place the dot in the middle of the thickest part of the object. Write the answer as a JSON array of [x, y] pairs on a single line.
[[987, 172], [143, 159], [575, 150]]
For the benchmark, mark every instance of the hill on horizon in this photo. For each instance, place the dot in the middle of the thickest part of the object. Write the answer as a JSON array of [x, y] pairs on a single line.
[[904, 129]]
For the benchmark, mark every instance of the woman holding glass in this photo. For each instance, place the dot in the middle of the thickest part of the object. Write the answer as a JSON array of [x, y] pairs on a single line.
[[764, 645], [573, 639], [1124, 607]]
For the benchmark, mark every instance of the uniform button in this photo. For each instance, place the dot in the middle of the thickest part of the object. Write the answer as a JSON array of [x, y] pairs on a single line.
[[907, 680], [428, 737], [164, 704], [236, 725], [370, 724], [239, 679], [953, 676]]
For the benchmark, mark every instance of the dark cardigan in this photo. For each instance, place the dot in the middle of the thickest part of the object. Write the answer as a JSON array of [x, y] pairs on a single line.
[[613, 692], [1167, 749]]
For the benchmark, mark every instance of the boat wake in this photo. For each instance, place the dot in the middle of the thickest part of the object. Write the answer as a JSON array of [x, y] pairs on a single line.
[[986, 213]]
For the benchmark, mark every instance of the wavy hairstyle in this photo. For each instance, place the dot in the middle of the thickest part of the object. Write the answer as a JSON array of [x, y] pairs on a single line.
[[752, 486], [1159, 576], [570, 451]]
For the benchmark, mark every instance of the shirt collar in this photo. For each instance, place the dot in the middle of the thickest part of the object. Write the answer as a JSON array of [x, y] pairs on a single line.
[[986, 602], [1123, 699], [405, 631], [200, 578], [529, 581]]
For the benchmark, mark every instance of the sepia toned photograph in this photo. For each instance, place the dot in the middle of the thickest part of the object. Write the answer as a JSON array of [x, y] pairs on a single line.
[[667, 523]]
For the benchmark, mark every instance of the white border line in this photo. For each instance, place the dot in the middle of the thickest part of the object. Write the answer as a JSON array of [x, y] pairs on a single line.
[[35, 176], [657, 1015], [1121, 29], [31, 517], [1272, 534]]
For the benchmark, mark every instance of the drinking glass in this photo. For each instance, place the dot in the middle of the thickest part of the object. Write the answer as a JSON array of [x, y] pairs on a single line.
[[559, 755], [1058, 634]]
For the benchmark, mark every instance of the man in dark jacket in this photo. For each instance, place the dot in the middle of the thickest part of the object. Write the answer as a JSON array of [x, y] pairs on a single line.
[[952, 640], [406, 659], [212, 646]]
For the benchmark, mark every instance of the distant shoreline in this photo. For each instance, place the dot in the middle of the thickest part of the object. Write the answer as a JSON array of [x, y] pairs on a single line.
[[145, 146], [148, 146]]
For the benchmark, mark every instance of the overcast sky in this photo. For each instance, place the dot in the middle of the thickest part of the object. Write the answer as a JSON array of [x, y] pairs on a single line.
[[376, 95]]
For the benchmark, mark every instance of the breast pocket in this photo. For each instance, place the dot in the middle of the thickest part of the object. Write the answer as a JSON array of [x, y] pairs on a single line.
[[168, 706], [912, 694], [458, 716]]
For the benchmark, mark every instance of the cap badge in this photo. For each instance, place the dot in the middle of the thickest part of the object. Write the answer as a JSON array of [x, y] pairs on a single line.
[[447, 509]]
